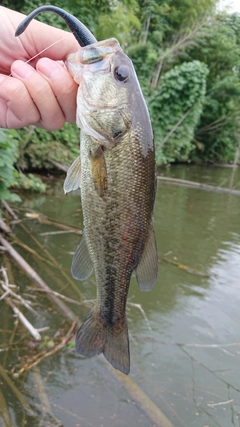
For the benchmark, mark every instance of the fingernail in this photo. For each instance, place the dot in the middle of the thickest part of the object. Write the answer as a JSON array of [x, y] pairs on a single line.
[[48, 68], [21, 69]]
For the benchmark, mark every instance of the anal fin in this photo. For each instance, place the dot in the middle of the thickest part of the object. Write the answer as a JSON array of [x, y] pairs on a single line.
[[147, 269]]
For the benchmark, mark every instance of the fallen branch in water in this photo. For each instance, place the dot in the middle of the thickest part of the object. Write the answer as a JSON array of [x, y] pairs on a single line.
[[6, 287], [37, 279], [212, 405], [32, 251], [133, 304], [54, 233], [4, 227], [46, 221], [198, 185], [39, 357], [17, 393], [83, 421], [47, 263], [134, 391], [47, 413], [142, 400], [184, 267], [8, 291], [9, 210], [232, 344], [73, 301], [4, 412], [43, 249], [33, 331]]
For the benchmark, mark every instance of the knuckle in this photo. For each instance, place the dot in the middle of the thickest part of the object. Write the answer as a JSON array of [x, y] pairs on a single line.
[[55, 124], [15, 89], [69, 89], [42, 90], [18, 100]]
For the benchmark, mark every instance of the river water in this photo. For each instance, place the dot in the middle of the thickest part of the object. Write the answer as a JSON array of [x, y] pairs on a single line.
[[184, 339]]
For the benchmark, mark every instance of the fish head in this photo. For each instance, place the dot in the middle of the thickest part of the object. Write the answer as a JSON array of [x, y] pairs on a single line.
[[108, 93]]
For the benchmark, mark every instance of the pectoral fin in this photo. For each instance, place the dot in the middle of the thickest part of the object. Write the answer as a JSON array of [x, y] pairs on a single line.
[[82, 266], [99, 171], [147, 269], [73, 178]]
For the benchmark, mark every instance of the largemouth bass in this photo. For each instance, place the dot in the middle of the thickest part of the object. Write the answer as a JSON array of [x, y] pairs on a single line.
[[117, 178], [116, 175]]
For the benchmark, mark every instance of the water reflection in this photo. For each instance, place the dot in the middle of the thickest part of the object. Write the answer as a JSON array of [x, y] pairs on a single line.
[[186, 356]]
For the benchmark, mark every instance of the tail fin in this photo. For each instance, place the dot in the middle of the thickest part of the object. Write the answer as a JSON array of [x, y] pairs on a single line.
[[94, 337]]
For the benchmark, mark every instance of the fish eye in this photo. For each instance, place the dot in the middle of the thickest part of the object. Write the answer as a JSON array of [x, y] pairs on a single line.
[[121, 73]]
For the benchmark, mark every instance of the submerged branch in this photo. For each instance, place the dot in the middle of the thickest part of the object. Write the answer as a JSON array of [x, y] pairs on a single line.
[[4, 227], [73, 301], [43, 398], [198, 185], [37, 279], [6, 287], [4, 412], [212, 405], [142, 311], [32, 251], [9, 210], [17, 393], [40, 357], [46, 221], [142, 400], [233, 344], [184, 267], [44, 250], [33, 331], [135, 392]]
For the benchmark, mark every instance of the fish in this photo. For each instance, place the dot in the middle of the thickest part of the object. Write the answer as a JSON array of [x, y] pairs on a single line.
[[116, 174], [117, 178]]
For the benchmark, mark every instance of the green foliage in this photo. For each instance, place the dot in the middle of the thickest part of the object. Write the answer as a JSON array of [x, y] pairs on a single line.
[[186, 13], [144, 59], [30, 182], [10, 178], [218, 129], [37, 147], [184, 68], [120, 23], [177, 104], [8, 155]]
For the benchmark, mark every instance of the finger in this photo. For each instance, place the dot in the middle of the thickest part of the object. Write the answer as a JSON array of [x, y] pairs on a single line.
[[34, 40], [39, 37], [17, 108], [62, 84], [51, 114]]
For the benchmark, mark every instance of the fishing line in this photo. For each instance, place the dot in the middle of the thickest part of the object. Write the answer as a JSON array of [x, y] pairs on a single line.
[[44, 50]]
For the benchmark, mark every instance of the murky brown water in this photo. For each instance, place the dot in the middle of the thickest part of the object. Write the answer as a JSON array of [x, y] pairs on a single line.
[[185, 356]]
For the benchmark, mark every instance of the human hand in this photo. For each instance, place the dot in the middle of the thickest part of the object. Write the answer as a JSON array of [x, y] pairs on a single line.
[[43, 93]]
